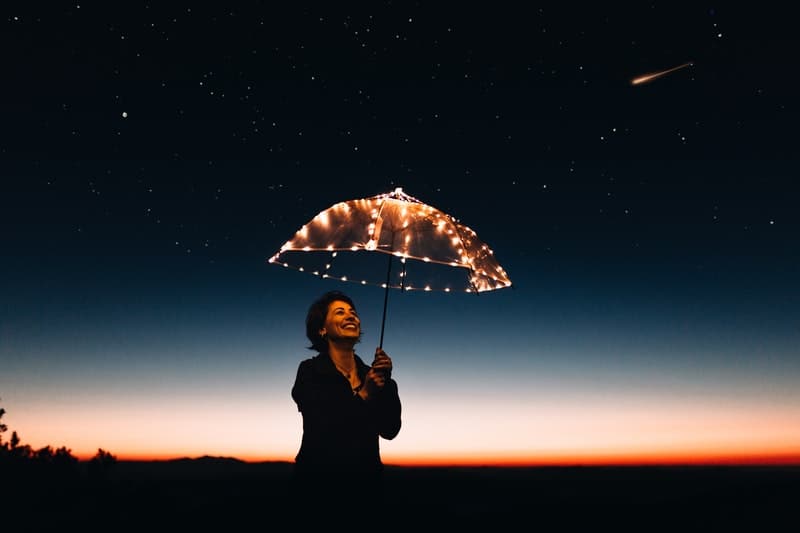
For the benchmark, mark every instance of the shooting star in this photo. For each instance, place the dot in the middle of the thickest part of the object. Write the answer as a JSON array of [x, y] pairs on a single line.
[[650, 77]]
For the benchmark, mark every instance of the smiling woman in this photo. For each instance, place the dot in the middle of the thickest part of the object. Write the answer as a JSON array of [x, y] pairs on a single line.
[[346, 404]]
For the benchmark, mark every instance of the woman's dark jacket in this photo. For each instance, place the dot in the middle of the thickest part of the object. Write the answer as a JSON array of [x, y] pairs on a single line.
[[341, 430]]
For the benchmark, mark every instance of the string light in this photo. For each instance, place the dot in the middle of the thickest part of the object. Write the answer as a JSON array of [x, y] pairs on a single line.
[[398, 224]]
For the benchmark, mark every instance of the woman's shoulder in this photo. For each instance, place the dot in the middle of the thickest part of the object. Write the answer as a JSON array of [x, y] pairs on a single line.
[[314, 361]]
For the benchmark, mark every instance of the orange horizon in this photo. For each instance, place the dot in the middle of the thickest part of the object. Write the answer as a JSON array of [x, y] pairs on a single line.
[[678, 459]]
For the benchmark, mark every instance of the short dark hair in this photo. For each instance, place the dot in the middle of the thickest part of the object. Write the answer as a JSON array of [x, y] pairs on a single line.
[[315, 318]]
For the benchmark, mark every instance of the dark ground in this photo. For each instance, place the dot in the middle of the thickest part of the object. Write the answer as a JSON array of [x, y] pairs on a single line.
[[229, 495]]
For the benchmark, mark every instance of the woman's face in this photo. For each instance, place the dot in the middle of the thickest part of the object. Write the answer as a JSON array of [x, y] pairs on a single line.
[[341, 322]]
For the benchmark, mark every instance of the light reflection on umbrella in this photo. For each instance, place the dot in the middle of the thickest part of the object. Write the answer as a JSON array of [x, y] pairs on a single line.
[[339, 243]]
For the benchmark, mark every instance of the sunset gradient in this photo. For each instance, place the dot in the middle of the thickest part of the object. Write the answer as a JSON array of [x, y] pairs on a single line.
[[550, 399]]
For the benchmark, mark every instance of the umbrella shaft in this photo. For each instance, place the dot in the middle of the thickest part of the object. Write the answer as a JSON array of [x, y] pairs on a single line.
[[386, 298]]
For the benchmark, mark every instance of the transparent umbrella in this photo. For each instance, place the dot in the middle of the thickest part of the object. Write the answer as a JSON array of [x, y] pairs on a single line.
[[435, 251]]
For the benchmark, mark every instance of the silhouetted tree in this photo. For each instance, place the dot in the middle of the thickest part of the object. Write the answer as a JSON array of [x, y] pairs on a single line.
[[23, 460], [101, 464], [19, 452], [44, 455], [3, 427], [4, 446]]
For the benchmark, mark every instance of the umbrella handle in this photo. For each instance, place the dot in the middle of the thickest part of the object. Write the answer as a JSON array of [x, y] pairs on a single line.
[[385, 298]]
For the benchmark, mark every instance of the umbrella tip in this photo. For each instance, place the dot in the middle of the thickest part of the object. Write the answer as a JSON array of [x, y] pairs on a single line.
[[398, 190]]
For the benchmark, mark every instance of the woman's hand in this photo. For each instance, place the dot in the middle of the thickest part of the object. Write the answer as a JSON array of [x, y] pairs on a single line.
[[379, 373]]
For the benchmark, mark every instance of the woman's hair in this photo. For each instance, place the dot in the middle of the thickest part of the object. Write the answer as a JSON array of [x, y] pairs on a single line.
[[315, 318]]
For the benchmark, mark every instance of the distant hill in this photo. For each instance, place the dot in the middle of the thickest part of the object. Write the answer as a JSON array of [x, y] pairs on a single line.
[[206, 459], [205, 467]]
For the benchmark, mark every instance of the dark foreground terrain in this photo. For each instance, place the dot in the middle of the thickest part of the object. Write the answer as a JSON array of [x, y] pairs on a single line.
[[228, 495]]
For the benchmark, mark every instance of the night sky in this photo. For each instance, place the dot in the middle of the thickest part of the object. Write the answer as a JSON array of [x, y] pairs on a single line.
[[155, 155]]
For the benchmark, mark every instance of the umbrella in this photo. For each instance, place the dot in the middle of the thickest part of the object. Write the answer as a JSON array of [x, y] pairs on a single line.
[[341, 241]]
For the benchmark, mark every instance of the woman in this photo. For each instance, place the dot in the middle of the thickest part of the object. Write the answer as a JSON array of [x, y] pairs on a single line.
[[346, 405]]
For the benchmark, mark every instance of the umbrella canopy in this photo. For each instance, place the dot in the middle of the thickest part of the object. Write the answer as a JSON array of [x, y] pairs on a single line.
[[341, 241]]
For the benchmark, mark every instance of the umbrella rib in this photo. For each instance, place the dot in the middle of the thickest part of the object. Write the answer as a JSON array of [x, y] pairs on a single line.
[[471, 270]]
